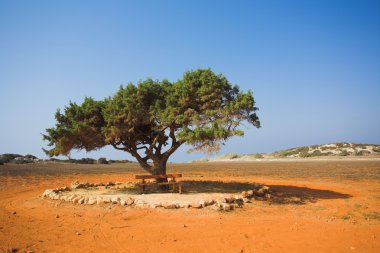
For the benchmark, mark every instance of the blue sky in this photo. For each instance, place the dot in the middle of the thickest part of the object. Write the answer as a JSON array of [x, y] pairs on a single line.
[[313, 66]]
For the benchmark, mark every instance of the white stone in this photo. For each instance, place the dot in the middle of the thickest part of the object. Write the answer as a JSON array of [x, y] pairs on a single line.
[[106, 200], [115, 200], [47, 193], [91, 201], [130, 201], [76, 199], [71, 197]]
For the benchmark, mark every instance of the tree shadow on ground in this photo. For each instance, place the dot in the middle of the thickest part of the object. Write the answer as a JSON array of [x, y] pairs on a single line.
[[280, 194]]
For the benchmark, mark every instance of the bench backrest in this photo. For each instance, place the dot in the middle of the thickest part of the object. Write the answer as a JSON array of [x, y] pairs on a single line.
[[158, 176]]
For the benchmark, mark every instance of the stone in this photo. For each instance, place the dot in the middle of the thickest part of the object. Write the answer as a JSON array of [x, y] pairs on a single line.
[[71, 197], [262, 191], [130, 201], [91, 201], [226, 207], [210, 202], [250, 193], [184, 205], [76, 185], [196, 205], [115, 200], [229, 199], [139, 203], [123, 202], [106, 199], [153, 206], [202, 202], [247, 200], [268, 196], [99, 200], [56, 197], [239, 202], [216, 207], [244, 194], [170, 206], [76, 199], [47, 193], [81, 201]]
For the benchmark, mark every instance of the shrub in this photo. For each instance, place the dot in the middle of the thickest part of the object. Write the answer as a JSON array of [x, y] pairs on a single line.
[[86, 161], [317, 153], [229, 156], [305, 154], [302, 149], [362, 152], [201, 160], [22, 161], [7, 158], [31, 157], [119, 161], [102, 160], [258, 156], [344, 153]]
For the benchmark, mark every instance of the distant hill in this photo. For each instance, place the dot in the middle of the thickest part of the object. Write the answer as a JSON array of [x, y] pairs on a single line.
[[339, 149]]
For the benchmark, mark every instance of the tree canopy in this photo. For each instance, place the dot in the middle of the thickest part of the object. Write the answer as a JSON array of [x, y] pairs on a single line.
[[152, 119]]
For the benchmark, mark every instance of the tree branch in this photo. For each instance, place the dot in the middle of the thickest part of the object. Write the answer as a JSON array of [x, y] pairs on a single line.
[[142, 161]]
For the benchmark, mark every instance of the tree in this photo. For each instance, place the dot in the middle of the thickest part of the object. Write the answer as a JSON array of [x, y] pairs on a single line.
[[152, 119]]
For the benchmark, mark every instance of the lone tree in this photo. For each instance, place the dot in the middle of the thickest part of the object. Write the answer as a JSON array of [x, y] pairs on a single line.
[[152, 119]]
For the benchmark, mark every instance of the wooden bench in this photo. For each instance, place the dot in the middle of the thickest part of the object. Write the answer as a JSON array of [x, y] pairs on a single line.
[[171, 181]]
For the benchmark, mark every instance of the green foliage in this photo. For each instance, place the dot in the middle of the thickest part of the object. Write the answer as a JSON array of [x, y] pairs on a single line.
[[6, 158], [102, 160], [302, 149], [317, 152], [258, 156], [344, 153], [229, 156], [305, 154], [83, 161], [201, 160], [119, 161], [362, 152], [152, 119]]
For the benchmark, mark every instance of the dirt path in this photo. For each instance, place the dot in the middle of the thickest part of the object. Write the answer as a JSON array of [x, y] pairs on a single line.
[[341, 217]]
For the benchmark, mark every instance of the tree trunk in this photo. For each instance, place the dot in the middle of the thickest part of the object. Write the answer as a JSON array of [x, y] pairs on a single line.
[[160, 169]]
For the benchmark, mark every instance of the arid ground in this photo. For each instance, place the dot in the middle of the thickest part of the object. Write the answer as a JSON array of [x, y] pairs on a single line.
[[318, 206]]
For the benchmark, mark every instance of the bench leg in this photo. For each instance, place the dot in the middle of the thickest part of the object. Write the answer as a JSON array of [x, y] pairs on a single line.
[[142, 188]]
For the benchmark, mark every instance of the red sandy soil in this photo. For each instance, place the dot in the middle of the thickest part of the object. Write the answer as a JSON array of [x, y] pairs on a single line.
[[343, 216]]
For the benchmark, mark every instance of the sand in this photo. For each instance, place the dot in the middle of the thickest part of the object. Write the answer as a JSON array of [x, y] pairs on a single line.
[[338, 213]]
